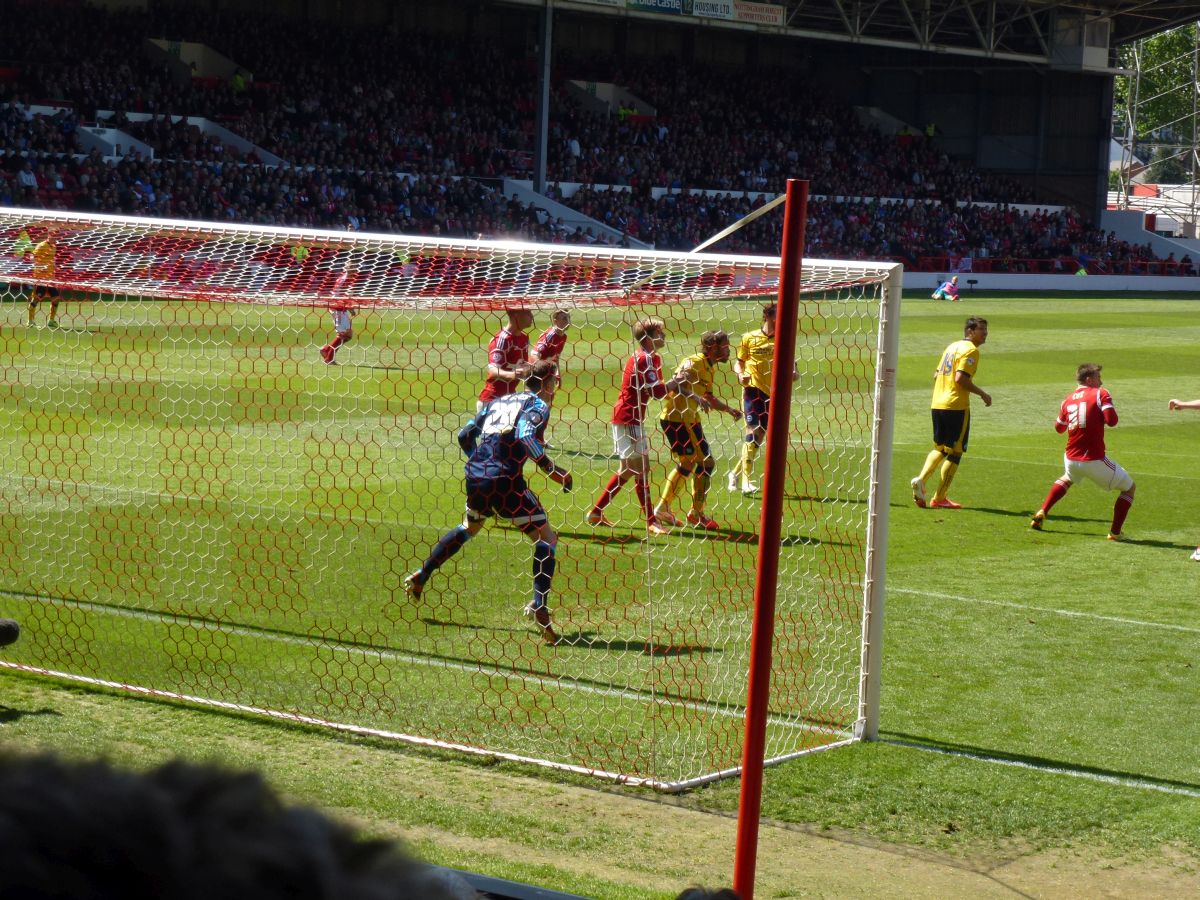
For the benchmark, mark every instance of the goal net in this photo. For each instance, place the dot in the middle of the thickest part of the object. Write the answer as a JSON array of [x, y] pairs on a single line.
[[197, 506]]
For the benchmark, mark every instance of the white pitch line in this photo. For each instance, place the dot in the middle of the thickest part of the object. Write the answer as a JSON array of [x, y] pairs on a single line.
[[1051, 770], [1070, 613], [1051, 462], [567, 683]]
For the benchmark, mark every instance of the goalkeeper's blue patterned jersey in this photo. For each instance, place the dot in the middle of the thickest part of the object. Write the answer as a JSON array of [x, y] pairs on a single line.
[[504, 434]]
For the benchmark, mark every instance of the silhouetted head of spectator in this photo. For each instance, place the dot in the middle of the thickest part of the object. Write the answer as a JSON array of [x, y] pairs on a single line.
[[75, 830]]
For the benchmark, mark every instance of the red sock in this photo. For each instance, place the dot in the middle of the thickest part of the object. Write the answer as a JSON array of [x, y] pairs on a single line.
[[642, 486], [336, 342], [1058, 490], [610, 491], [1120, 511]]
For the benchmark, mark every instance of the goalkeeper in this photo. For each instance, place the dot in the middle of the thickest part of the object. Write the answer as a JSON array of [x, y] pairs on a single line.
[[502, 436]]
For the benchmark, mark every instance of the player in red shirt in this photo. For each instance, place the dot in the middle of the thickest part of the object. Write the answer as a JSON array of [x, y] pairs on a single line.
[[1083, 416], [508, 358], [554, 339], [642, 382]]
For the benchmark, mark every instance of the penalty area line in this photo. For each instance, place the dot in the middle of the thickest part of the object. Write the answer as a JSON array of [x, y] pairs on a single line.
[[1121, 781], [1068, 613]]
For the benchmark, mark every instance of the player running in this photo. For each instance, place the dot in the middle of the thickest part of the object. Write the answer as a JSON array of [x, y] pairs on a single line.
[[1082, 417], [498, 441], [641, 382]]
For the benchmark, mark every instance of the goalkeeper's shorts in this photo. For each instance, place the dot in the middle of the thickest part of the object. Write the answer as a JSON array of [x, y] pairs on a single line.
[[504, 498]]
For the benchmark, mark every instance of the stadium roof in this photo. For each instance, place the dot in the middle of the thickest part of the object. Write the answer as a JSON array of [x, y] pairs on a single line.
[[1028, 31], [984, 27]]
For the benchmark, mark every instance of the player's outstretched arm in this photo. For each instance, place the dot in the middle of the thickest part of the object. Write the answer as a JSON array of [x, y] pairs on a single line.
[[1183, 404]]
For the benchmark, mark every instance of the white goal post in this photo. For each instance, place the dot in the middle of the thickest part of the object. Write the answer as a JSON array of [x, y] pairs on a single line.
[[203, 507]]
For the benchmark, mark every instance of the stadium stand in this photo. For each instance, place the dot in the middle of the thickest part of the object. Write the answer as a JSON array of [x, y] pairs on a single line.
[[394, 142]]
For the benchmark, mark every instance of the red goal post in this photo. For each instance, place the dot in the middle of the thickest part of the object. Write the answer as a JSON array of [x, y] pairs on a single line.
[[200, 509]]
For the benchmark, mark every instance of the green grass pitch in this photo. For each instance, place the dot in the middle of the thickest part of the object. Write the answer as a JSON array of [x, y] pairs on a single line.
[[197, 504], [1059, 668]]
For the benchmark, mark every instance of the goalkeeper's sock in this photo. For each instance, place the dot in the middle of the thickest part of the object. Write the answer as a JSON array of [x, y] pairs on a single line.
[[1120, 511], [949, 469], [543, 573], [449, 544], [642, 486], [1058, 490], [30, 314], [610, 491], [674, 481], [931, 463], [53, 320]]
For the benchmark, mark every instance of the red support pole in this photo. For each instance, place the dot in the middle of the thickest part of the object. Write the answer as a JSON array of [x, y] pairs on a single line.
[[787, 315]]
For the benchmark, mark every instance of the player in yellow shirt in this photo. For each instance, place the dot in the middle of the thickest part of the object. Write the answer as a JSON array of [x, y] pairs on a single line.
[[680, 422], [953, 385], [43, 255], [752, 365]]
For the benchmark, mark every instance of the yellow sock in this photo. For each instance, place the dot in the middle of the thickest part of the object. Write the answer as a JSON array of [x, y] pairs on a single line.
[[53, 312], [700, 482], [935, 456], [29, 316], [671, 488], [943, 488], [749, 454]]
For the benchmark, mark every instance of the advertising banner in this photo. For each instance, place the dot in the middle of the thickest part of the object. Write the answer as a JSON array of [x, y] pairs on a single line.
[[713, 9], [666, 7], [757, 13]]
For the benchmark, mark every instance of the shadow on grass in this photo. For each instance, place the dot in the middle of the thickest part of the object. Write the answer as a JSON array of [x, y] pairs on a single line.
[[587, 640], [12, 714], [1029, 515], [601, 536], [1039, 763], [814, 499]]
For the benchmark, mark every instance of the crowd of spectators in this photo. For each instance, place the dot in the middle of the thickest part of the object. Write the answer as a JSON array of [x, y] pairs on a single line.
[[850, 228], [315, 198], [384, 140]]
